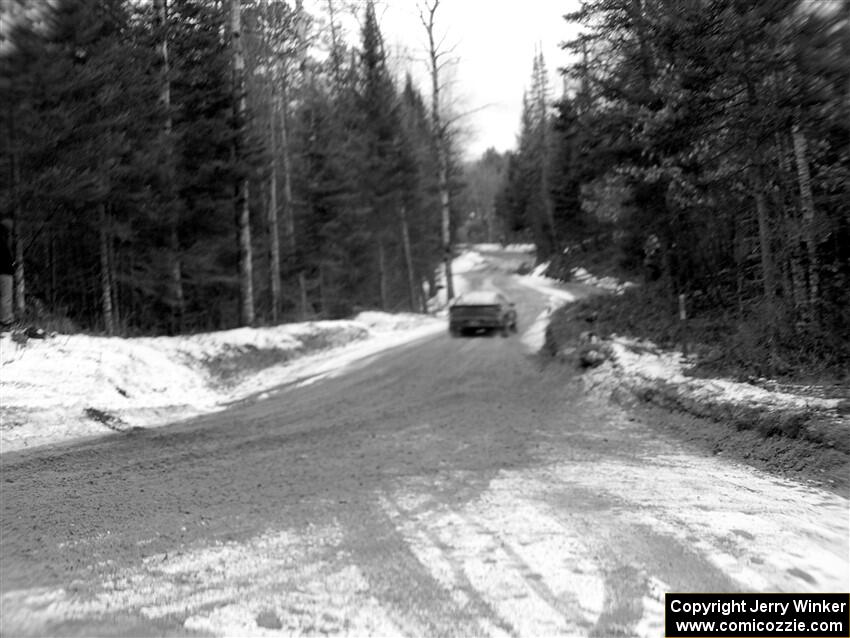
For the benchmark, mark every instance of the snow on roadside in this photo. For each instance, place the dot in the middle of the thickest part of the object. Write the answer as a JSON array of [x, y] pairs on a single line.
[[467, 261], [69, 386], [644, 361], [553, 288], [661, 375], [534, 338], [510, 248], [606, 283], [582, 276]]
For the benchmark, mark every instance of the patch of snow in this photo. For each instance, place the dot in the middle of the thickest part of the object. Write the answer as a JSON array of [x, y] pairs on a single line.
[[518, 550], [582, 276], [534, 337], [277, 583], [539, 270], [382, 321], [487, 247], [558, 296], [643, 361], [512, 248], [752, 526], [606, 283], [501, 546], [70, 386], [337, 361], [467, 261]]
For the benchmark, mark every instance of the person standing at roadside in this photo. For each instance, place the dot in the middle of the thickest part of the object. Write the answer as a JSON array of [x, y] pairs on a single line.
[[7, 271]]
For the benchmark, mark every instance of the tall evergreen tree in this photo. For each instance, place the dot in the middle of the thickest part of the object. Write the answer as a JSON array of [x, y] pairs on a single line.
[[381, 131]]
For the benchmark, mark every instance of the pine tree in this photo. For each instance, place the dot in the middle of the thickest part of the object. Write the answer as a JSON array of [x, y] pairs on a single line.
[[205, 165], [381, 131]]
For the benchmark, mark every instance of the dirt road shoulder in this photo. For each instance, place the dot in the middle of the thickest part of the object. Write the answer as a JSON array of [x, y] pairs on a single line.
[[795, 435]]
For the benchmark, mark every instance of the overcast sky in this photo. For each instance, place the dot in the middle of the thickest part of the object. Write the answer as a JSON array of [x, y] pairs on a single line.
[[494, 42]]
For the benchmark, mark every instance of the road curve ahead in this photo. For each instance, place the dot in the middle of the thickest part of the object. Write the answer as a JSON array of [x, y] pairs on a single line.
[[450, 487]]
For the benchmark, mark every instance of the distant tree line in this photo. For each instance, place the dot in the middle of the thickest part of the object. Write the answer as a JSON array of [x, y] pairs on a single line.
[[709, 140], [179, 165]]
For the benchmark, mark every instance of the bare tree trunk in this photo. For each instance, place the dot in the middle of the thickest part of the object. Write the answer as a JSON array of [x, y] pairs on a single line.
[[441, 143], [175, 266], [246, 271], [18, 277], [177, 298], [305, 303], [446, 231], [807, 206], [491, 213], [105, 275], [241, 199], [176, 273], [798, 279], [793, 271], [113, 279], [759, 187], [131, 262], [767, 263], [272, 223], [288, 216], [408, 258], [274, 232], [323, 288], [288, 212], [382, 274], [52, 267]]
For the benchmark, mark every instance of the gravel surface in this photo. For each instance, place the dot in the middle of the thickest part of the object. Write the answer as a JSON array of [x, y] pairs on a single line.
[[447, 487]]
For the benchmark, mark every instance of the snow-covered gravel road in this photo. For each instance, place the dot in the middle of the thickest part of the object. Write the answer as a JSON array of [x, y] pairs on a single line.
[[444, 487]]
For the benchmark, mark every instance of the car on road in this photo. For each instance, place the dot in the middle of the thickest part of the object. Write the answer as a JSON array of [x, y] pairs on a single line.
[[482, 310]]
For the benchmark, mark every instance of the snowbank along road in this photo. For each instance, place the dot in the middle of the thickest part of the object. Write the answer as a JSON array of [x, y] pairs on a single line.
[[447, 487]]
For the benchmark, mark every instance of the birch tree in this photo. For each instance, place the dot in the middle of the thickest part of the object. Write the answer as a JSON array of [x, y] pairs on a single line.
[[427, 15]]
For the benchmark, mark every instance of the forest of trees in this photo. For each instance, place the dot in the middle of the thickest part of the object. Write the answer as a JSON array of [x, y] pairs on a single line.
[[182, 165], [709, 141]]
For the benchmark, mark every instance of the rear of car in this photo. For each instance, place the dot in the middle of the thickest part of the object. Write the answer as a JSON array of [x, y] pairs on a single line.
[[477, 311]]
